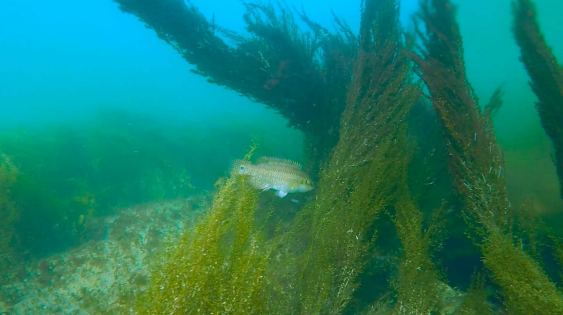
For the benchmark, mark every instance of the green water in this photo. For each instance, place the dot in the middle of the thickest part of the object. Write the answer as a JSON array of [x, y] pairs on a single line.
[[492, 58], [111, 150]]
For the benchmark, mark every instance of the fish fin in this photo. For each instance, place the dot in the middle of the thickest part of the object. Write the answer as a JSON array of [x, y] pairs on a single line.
[[258, 184], [281, 193], [278, 161]]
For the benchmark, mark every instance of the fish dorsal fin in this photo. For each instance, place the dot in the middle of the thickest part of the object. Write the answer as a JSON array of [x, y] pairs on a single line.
[[277, 161]]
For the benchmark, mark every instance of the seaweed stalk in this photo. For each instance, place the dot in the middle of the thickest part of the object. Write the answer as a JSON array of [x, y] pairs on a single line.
[[417, 285], [301, 75], [475, 301], [365, 166], [545, 73], [495, 103], [218, 266], [477, 164]]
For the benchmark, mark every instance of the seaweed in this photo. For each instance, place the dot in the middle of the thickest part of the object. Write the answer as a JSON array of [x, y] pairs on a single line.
[[495, 103], [475, 301], [316, 266], [467, 132], [68, 175], [546, 75], [9, 214], [360, 178], [216, 267], [302, 75], [477, 164], [354, 97], [417, 284]]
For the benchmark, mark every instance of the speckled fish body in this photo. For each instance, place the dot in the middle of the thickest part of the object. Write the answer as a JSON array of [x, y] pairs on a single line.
[[284, 176]]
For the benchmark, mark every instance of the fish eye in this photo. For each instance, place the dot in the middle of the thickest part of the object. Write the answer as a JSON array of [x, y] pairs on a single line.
[[241, 168]]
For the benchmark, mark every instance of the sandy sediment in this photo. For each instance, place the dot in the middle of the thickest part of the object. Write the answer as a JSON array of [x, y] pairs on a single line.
[[101, 277]]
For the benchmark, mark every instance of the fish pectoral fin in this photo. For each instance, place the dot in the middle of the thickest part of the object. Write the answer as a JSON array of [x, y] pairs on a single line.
[[265, 188], [281, 193]]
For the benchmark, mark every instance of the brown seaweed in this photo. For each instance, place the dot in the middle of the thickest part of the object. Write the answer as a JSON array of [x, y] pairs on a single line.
[[302, 75], [477, 164], [364, 171], [546, 75]]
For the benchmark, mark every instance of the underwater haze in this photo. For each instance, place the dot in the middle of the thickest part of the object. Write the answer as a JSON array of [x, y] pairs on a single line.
[[63, 61], [294, 157]]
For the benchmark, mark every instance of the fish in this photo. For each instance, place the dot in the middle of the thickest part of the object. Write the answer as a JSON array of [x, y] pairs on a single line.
[[282, 175]]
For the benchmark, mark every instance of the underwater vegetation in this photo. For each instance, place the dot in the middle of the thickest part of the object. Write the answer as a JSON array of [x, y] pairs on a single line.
[[101, 276], [367, 240], [274, 65], [57, 181], [363, 172], [322, 256], [323, 263], [218, 265], [365, 175], [10, 216], [68, 175], [477, 165], [546, 75]]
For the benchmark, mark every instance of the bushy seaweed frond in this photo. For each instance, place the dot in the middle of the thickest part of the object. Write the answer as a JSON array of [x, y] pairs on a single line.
[[71, 174], [475, 301], [468, 133], [417, 285], [523, 283], [302, 75], [477, 164], [359, 179], [559, 254], [218, 266], [546, 75], [495, 103]]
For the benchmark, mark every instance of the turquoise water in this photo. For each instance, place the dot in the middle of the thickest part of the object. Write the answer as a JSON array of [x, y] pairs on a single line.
[[62, 61], [99, 118]]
